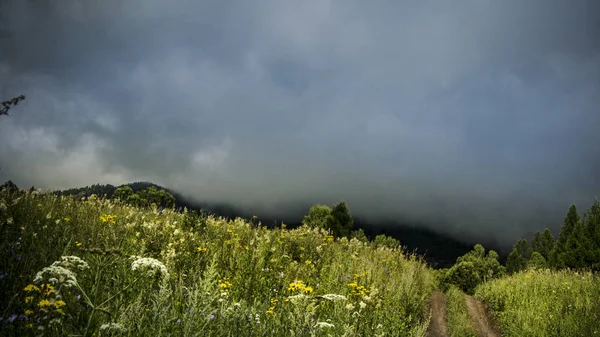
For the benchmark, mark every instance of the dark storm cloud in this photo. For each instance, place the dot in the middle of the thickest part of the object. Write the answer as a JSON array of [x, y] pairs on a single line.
[[476, 118]]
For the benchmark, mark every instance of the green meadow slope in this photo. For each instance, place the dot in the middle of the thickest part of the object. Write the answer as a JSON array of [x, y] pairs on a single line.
[[98, 267]]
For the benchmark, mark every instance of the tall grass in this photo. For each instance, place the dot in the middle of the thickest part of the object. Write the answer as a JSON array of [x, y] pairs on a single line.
[[142, 274], [457, 314], [545, 303]]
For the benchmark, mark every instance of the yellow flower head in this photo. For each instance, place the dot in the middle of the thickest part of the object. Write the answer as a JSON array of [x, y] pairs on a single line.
[[108, 218], [44, 303], [48, 289], [31, 288]]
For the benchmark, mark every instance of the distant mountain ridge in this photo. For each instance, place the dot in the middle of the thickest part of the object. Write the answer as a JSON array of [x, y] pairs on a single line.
[[438, 250]]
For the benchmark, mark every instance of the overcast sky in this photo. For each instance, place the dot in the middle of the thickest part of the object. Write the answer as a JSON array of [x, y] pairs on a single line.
[[474, 117]]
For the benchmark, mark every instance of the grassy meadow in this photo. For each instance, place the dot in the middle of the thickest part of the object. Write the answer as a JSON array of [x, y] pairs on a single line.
[[99, 268], [544, 303], [457, 315]]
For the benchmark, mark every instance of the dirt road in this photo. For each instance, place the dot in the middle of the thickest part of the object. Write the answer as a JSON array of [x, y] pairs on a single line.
[[481, 322], [437, 326]]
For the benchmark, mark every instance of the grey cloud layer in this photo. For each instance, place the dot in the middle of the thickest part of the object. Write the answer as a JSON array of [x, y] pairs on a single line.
[[476, 118]]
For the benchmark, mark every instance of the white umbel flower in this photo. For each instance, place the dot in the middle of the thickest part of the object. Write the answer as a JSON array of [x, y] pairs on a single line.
[[56, 275], [322, 325], [112, 327], [334, 297], [149, 266], [61, 271]]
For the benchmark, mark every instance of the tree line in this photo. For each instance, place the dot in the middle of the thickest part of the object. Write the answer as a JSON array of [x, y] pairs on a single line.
[[577, 246]]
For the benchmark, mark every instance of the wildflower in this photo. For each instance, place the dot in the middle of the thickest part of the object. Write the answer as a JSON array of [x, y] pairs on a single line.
[[47, 289], [78, 244], [67, 219], [56, 275], [44, 303], [201, 249], [350, 306], [72, 262], [108, 218], [28, 299], [362, 305], [322, 325], [334, 297], [112, 327], [58, 304], [150, 266], [225, 284], [31, 287], [298, 285], [28, 312], [12, 318], [211, 316]]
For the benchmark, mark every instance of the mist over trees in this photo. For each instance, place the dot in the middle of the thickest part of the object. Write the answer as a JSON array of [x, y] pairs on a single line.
[[576, 248]]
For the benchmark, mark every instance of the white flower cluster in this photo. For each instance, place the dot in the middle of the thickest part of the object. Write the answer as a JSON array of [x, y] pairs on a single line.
[[112, 328], [61, 271], [56, 275], [71, 262], [334, 297], [322, 325], [150, 266]]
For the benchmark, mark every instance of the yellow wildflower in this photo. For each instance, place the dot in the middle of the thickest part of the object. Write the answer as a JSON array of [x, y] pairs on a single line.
[[28, 299], [78, 244], [201, 249], [48, 289], [44, 303], [108, 218], [58, 304], [225, 285], [28, 312], [298, 285], [271, 311], [31, 287]]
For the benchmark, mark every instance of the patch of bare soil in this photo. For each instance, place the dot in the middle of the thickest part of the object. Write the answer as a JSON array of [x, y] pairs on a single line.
[[437, 325], [481, 321]]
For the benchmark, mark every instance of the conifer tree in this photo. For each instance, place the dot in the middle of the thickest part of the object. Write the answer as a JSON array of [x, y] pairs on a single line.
[[592, 235], [342, 219], [575, 253], [515, 261], [524, 249], [572, 218], [543, 243]]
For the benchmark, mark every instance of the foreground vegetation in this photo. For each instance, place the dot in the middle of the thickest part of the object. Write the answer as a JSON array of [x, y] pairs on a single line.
[[126, 268], [459, 321], [100, 267], [545, 303]]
